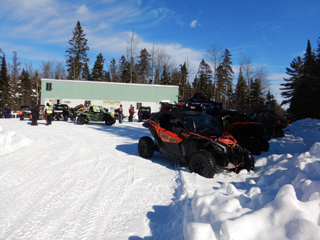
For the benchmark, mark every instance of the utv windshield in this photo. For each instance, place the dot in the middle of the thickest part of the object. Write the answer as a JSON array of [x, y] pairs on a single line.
[[203, 125]]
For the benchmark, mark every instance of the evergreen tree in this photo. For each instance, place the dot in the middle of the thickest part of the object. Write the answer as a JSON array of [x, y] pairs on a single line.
[[14, 81], [107, 76], [97, 73], [317, 80], [301, 90], [85, 73], [291, 84], [204, 80], [165, 77], [25, 88], [113, 71], [256, 101], [270, 101], [303, 95], [4, 83], [144, 66], [183, 81], [309, 84], [124, 70], [241, 92], [224, 78], [195, 86], [77, 53], [36, 86]]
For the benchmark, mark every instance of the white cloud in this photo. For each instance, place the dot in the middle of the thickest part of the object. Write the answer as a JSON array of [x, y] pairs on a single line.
[[193, 23], [83, 10]]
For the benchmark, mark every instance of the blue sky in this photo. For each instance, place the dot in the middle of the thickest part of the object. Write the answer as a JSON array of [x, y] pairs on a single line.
[[271, 33]]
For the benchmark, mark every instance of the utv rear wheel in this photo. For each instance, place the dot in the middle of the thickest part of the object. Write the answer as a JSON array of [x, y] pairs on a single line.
[[81, 120], [146, 147], [203, 163]]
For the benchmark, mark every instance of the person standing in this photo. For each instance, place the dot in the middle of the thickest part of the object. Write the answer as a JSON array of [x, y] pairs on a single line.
[[49, 112], [7, 111], [35, 115], [131, 112], [120, 114]]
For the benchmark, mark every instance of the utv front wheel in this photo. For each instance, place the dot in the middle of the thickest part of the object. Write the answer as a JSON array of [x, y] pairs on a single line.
[[81, 120], [146, 147], [203, 163], [109, 120], [265, 145], [248, 161]]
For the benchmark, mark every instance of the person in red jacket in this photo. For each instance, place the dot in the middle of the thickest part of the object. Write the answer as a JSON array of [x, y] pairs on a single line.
[[120, 114], [131, 112]]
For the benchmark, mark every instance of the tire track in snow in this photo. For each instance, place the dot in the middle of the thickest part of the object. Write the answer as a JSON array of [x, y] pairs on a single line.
[[71, 190]]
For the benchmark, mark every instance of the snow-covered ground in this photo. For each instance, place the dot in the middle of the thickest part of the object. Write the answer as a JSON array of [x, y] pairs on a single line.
[[67, 181]]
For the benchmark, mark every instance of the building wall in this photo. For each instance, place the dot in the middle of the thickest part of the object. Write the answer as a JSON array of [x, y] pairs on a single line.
[[106, 94]]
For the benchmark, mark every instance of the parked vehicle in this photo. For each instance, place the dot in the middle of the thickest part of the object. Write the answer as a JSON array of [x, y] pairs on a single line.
[[249, 134], [272, 123], [195, 139], [25, 112], [61, 112], [94, 113], [144, 113]]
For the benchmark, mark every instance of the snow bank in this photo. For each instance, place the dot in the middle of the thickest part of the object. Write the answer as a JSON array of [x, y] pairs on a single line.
[[280, 200], [10, 141]]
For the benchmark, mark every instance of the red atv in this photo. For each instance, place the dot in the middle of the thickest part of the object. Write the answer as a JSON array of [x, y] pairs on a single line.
[[195, 139]]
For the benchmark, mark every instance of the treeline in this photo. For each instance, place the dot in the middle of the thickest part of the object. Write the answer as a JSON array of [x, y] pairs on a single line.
[[213, 78], [301, 90], [18, 87]]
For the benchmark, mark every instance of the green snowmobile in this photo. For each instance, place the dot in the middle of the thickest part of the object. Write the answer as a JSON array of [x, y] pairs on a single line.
[[93, 113]]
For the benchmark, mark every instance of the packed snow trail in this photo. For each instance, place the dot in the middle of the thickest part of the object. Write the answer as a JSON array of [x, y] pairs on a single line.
[[67, 181]]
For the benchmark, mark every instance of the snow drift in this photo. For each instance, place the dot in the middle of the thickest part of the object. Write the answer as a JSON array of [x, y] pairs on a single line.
[[279, 200]]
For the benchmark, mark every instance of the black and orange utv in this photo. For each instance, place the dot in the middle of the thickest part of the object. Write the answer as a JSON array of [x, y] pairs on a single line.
[[195, 139]]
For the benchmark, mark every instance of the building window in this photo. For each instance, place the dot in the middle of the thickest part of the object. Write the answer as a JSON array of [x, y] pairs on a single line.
[[48, 86]]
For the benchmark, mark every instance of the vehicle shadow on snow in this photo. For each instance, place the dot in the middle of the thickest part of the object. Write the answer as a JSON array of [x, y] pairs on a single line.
[[157, 158]]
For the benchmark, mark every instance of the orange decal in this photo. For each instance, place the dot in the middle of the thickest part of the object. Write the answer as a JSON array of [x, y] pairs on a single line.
[[185, 134], [166, 136]]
